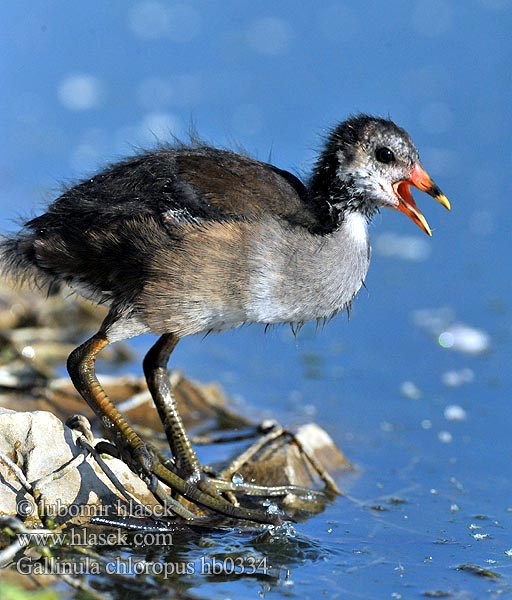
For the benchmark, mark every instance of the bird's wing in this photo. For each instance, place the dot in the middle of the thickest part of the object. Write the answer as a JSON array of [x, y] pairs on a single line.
[[215, 184]]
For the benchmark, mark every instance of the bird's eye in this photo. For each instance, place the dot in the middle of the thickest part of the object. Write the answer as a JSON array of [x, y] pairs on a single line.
[[384, 155]]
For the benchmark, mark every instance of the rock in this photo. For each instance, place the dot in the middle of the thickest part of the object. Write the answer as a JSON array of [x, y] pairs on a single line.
[[305, 458], [66, 481], [68, 485]]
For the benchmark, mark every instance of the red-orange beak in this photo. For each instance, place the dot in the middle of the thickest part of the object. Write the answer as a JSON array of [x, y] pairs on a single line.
[[421, 180]]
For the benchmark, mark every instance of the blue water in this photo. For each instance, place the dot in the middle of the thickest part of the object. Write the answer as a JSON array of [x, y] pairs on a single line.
[[427, 426]]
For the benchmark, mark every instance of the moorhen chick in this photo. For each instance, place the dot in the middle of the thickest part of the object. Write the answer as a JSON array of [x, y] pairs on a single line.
[[191, 239]]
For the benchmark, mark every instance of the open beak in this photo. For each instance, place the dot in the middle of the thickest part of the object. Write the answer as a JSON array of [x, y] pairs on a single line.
[[421, 180]]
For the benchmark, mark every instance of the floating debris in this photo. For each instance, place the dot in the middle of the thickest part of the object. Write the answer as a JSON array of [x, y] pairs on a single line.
[[450, 333], [480, 571], [458, 378], [466, 339], [410, 390], [454, 412], [445, 437]]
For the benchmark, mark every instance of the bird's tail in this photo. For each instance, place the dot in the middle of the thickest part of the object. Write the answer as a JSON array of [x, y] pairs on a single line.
[[18, 261]]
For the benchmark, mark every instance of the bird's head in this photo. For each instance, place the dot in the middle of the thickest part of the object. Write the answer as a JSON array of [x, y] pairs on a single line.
[[370, 162]]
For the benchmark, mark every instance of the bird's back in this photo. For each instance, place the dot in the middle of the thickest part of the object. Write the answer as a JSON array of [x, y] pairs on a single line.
[[98, 235]]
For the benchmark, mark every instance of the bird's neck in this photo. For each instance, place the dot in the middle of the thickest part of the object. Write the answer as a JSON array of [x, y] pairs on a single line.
[[335, 194]]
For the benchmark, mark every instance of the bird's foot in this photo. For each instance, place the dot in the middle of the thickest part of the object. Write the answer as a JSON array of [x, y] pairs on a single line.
[[199, 488]]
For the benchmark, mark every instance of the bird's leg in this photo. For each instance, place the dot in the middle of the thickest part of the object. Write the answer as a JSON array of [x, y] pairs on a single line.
[[186, 463], [155, 369], [81, 368]]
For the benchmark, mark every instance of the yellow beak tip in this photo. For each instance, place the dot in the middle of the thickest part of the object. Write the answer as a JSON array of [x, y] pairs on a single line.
[[442, 199]]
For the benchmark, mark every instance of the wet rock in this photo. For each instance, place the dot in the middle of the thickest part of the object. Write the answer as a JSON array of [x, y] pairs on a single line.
[[306, 458], [65, 482]]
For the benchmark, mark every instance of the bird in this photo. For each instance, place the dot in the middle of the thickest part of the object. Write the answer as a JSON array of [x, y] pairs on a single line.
[[188, 238]]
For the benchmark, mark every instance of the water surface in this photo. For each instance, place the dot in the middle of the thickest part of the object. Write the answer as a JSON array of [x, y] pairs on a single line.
[[420, 404]]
